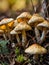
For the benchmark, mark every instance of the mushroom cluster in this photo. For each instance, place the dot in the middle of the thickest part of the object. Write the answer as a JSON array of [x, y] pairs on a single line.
[[19, 27], [24, 22]]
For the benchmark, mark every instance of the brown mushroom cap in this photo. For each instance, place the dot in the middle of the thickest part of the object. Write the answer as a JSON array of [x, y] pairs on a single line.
[[6, 20], [24, 17], [35, 49], [36, 18], [22, 26], [44, 24]]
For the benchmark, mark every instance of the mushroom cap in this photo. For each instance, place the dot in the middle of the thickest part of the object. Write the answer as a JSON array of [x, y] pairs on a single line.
[[36, 18], [44, 24], [6, 20], [14, 32], [35, 49], [15, 22], [11, 24], [24, 17], [22, 26]]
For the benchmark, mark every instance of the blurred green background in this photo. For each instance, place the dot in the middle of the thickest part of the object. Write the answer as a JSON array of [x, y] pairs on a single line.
[[14, 5], [12, 8]]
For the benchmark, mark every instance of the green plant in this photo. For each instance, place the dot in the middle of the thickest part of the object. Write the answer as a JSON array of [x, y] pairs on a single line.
[[17, 51], [20, 58], [3, 47]]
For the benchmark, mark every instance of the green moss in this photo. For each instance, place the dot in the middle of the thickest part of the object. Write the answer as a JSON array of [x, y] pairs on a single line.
[[17, 51], [20, 58]]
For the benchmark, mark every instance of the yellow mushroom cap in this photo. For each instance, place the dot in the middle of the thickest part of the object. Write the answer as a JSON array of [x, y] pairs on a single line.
[[35, 49], [24, 17], [6, 20], [2, 27], [36, 18], [44, 24], [22, 26], [11, 24]]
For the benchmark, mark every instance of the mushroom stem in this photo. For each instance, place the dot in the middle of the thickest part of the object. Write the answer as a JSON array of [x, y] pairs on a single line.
[[37, 34], [17, 37], [4, 37], [35, 57], [40, 39], [8, 32], [43, 36], [23, 37]]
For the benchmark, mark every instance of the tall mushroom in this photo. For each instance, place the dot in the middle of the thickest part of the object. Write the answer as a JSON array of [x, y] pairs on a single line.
[[24, 17], [16, 33], [6, 22], [35, 50], [23, 27], [44, 26], [34, 21]]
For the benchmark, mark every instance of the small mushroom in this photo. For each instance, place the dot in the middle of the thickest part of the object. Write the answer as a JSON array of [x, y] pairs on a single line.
[[34, 21], [44, 26], [16, 33], [24, 17], [35, 49], [23, 27], [6, 22]]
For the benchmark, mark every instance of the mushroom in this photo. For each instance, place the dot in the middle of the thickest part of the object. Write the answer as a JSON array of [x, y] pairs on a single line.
[[6, 22], [2, 33], [24, 17], [34, 21], [35, 49], [44, 26], [16, 33], [23, 27]]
